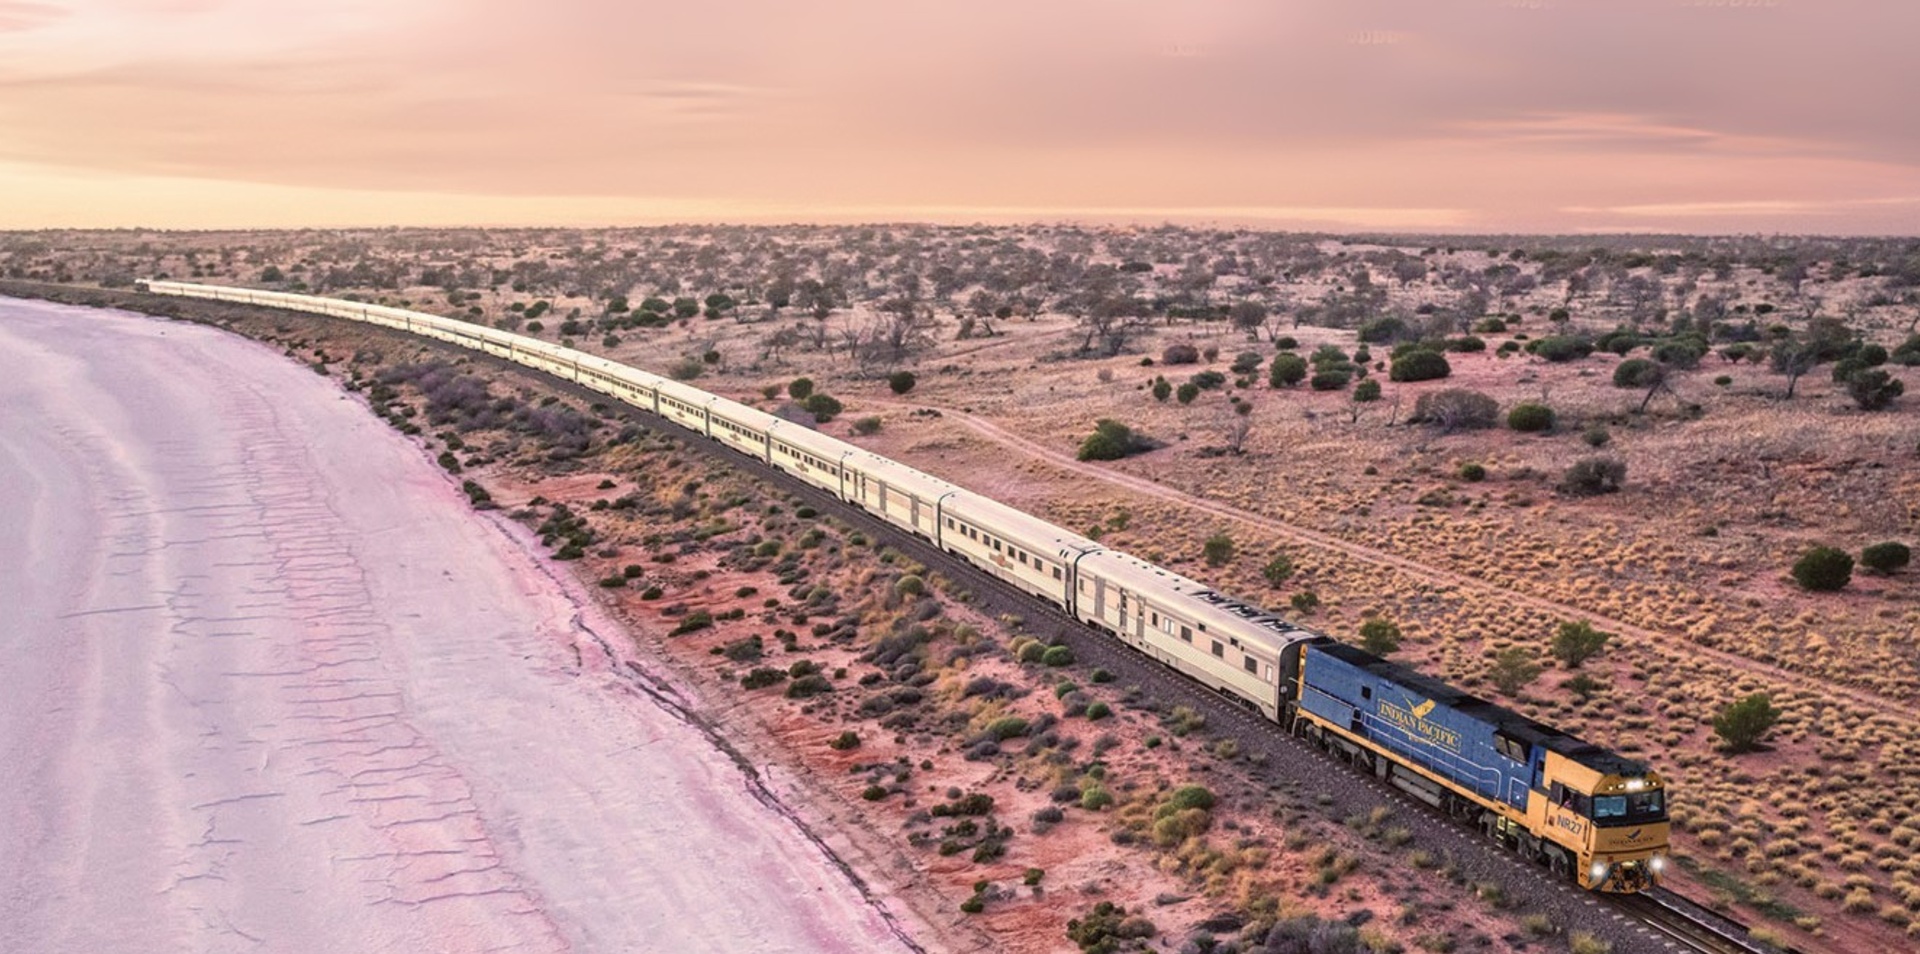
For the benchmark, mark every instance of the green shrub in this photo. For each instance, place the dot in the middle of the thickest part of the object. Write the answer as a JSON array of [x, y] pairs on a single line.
[[1636, 373], [873, 793], [1277, 569], [1419, 365], [1383, 330], [1289, 342], [763, 677], [1007, 727], [1530, 417], [1473, 473], [1741, 725], [1098, 710], [824, 407], [1246, 362], [1110, 440], [800, 388], [1057, 656], [909, 585], [1365, 391], [1330, 380], [1379, 636], [1513, 668], [1218, 550], [900, 382], [848, 739], [1286, 371], [866, 426], [1576, 642], [1874, 389], [1823, 569], [1209, 380], [1886, 557], [1596, 435], [1180, 354], [1185, 393], [1095, 797], [1161, 389], [1033, 652], [808, 686], [1306, 601], [1561, 348]]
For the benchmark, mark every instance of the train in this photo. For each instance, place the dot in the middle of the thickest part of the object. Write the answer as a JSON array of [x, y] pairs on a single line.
[[1590, 815]]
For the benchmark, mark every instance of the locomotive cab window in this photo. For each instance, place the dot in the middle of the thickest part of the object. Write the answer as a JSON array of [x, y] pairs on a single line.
[[1512, 748]]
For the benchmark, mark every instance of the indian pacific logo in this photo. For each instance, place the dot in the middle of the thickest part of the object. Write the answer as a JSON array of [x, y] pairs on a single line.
[[1635, 834], [1413, 721]]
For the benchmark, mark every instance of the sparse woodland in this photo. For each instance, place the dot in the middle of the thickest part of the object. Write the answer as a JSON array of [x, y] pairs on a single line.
[[1482, 440]]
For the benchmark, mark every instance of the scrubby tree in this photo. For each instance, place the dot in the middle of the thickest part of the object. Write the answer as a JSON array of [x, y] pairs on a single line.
[[1888, 557], [1366, 391], [1823, 569], [1741, 725], [900, 382], [1379, 636], [1161, 389], [1576, 642], [800, 388], [1513, 669]]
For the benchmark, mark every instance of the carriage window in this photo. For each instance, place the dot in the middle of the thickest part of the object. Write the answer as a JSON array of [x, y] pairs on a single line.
[[1219, 650], [1056, 573], [1252, 664], [1186, 634]]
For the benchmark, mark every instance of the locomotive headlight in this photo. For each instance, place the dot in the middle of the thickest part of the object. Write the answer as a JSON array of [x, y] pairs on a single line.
[[1598, 871], [1636, 784], [1659, 864]]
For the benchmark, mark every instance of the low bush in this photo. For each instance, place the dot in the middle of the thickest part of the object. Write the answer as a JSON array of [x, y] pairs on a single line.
[[1823, 569], [1593, 476], [1455, 409], [900, 382], [1286, 371], [1637, 373], [1530, 417], [1419, 365], [1886, 557], [1180, 354], [1561, 348], [1110, 440]]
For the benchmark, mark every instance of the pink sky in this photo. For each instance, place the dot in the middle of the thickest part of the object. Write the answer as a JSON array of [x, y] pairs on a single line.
[[1419, 115]]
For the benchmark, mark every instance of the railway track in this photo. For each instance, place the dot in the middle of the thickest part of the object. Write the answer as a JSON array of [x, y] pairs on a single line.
[[1692, 926], [1668, 921]]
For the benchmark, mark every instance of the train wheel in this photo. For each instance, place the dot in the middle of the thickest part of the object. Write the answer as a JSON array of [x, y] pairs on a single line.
[[1561, 867]]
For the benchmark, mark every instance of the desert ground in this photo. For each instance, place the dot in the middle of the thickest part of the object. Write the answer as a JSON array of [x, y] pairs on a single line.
[[1470, 538]]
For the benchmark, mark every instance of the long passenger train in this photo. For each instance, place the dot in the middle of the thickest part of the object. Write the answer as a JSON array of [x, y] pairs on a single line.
[[1592, 816]]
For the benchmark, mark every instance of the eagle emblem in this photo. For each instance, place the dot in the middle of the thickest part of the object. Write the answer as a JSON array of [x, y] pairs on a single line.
[[1420, 711]]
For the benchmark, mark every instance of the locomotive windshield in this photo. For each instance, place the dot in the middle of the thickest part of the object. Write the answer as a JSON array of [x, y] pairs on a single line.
[[1630, 809]]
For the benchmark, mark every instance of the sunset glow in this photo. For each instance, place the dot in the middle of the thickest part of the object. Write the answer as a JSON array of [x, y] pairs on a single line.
[[1440, 115]]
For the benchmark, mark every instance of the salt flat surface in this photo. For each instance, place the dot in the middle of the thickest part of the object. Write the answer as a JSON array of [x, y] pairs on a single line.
[[266, 684]]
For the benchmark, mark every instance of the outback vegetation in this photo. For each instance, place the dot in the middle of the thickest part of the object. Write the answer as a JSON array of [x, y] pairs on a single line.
[[1580, 474]]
